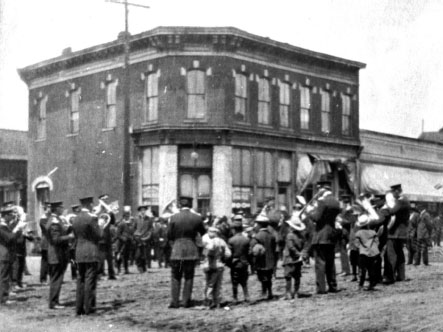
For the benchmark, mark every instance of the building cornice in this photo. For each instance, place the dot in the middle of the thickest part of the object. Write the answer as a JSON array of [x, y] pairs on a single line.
[[174, 38]]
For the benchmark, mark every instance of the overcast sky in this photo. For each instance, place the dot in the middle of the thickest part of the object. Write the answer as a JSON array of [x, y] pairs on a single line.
[[399, 40]]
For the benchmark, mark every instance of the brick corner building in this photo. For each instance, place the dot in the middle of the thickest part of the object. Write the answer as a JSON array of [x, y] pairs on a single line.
[[219, 114]]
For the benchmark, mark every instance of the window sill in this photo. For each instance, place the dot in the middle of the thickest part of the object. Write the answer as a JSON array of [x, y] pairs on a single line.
[[244, 123], [72, 135], [108, 129], [195, 120], [262, 125], [150, 123], [288, 129]]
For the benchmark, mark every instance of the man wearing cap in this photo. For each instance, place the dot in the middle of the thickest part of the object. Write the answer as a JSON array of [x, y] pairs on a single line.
[[105, 244], [424, 231], [325, 238], [75, 211], [125, 239], [239, 245], [143, 238], [8, 239], [343, 218], [44, 267], [88, 234], [411, 244], [399, 208], [264, 263], [182, 232], [58, 253]]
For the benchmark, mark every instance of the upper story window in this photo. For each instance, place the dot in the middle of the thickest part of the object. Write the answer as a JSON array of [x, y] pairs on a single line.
[[151, 97], [305, 107], [111, 104], [74, 102], [284, 104], [345, 114], [41, 120], [264, 101], [241, 96], [195, 79], [325, 111]]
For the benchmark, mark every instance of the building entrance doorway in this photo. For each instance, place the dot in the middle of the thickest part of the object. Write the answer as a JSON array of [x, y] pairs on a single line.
[[197, 186], [195, 167]]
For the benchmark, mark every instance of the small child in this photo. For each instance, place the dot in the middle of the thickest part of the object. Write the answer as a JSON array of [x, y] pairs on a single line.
[[367, 242], [239, 245], [215, 252], [292, 255]]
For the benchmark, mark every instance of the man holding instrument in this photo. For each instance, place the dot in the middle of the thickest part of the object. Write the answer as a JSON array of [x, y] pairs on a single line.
[[323, 211]]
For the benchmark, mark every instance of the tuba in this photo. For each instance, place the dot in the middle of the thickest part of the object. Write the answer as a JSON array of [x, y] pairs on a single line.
[[170, 209]]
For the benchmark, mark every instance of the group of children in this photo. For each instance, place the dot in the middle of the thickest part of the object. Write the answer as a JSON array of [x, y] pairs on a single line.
[[256, 249]]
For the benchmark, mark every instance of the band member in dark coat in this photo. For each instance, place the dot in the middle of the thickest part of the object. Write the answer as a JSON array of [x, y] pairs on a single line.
[[75, 211], [182, 232], [325, 238], [264, 249], [58, 253], [412, 233], [125, 239], [8, 238], [159, 234], [88, 234], [44, 267], [105, 245], [399, 207], [143, 238], [239, 264], [424, 232]]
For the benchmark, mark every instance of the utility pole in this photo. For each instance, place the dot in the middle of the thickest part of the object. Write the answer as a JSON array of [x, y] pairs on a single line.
[[127, 197]]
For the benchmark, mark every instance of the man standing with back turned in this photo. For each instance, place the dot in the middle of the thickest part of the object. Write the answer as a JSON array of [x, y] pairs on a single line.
[[182, 232], [88, 234]]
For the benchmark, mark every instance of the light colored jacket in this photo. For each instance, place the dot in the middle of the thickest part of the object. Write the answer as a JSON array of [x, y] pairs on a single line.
[[215, 251]]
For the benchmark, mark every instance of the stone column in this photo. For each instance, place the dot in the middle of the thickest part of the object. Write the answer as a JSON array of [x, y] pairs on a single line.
[[222, 180], [168, 173]]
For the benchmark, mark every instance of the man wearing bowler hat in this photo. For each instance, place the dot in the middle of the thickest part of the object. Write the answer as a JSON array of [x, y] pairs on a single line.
[[59, 236], [88, 234], [183, 229]]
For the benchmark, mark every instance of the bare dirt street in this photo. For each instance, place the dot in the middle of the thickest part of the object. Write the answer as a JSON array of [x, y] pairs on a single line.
[[138, 302]]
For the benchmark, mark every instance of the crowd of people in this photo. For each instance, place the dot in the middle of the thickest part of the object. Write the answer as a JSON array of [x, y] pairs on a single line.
[[369, 233]]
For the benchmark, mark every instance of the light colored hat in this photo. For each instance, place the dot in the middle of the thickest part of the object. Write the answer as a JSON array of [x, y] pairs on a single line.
[[127, 209], [262, 219], [296, 223], [363, 220], [213, 229]]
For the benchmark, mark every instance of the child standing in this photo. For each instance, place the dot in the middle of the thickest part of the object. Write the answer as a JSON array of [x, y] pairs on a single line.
[[292, 255], [239, 245], [215, 252], [367, 242]]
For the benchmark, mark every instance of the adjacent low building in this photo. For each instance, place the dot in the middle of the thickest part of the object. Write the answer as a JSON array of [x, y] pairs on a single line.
[[416, 164], [227, 117], [13, 166]]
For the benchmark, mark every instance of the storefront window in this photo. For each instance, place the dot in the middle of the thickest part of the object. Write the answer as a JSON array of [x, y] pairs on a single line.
[[241, 179], [150, 176], [264, 176]]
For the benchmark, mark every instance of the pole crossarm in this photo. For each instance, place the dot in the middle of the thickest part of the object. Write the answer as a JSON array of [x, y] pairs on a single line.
[[128, 3]]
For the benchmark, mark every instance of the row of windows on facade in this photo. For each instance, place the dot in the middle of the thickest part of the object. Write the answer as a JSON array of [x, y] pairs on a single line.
[[258, 171], [196, 108]]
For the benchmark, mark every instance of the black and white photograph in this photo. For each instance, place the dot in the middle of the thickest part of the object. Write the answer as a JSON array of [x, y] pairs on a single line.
[[207, 166]]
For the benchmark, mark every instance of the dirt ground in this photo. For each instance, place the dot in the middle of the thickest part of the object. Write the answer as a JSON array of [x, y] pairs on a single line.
[[138, 302]]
